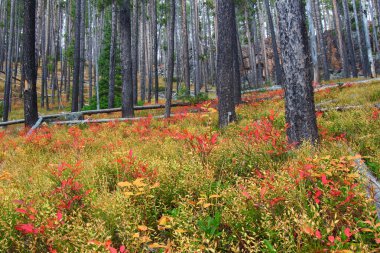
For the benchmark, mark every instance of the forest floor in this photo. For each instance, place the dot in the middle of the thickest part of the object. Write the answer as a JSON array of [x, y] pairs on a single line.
[[183, 185]]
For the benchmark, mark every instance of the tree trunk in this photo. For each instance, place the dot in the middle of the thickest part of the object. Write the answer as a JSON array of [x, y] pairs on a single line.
[[155, 51], [170, 71], [350, 45], [77, 49], [30, 90], [185, 48], [8, 78], [111, 90], [82, 51], [321, 40], [126, 60], [313, 41], [252, 51], [342, 48], [299, 95], [226, 40], [367, 38], [278, 68]]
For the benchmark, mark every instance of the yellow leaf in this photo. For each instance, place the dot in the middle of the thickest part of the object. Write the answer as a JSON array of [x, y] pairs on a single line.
[[156, 185], [366, 230], [180, 231], [163, 220], [142, 228], [157, 246], [344, 251], [215, 196], [206, 205], [139, 182], [136, 235], [124, 184], [128, 194], [145, 239]]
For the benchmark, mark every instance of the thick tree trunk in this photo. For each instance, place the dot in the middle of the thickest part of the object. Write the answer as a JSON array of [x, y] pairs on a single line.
[[30, 70], [143, 56], [77, 49], [299, 95], [238, 59], [111, 90], [90, 51], [226, 40], [170, 71], [126, 60]]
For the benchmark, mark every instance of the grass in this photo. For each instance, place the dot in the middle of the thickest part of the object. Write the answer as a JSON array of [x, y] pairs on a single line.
[[182, 185]]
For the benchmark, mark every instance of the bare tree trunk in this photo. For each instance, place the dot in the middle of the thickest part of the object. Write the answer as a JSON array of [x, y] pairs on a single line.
[[252, 51], [278, 68], [29, 66], [82, 54], [155, 51], [321, 40], [111, 90], [185, 48], [342, 48], [226, 40], [8, 78], [299, 95], [90, 50], [126, 59], [170, 72], [196, 47], [313, 41], [351, 52], [135, 46], [367, 38], [77, 49]]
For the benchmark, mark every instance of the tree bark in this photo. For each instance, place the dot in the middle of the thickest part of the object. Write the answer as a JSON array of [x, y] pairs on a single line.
[[111, 90], [342, 48], [77, 49], [278, 68], [226, 40], [350, 44], [29, 66], [299, 95], [8, 78], [126, 60], [185, 48], [170, 71]]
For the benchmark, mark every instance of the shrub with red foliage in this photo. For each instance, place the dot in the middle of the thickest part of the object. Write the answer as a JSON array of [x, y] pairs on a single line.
[[263, 137], [132, 168], [200, 144]]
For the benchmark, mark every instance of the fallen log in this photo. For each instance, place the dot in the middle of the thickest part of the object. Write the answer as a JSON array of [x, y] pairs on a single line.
[[77, 115]]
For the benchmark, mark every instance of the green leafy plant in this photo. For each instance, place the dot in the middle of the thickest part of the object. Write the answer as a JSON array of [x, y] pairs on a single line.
[[210, 225]]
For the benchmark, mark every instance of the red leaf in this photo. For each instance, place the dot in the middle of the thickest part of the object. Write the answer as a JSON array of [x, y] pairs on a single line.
[[26, 228], [20, 210], [112, 250], [318, 234], [347, 232], [122, 249], [331, 238]]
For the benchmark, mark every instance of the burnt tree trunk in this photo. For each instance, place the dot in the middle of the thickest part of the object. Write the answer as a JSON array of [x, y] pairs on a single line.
[[299, 95], [29, 67]]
